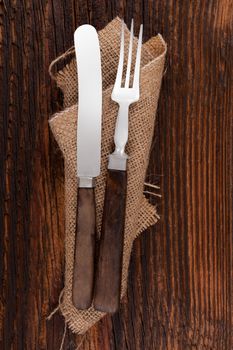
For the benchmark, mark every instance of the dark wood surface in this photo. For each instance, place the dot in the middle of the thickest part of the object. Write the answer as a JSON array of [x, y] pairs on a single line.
[[84, 260], [107, 290], [180, 288]]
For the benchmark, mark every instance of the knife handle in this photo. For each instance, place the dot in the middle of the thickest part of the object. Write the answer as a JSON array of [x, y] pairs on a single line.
[[83, 274], [108, 276]]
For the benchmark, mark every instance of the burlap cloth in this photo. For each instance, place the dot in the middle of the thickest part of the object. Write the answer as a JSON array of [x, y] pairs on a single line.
[[140, 214]]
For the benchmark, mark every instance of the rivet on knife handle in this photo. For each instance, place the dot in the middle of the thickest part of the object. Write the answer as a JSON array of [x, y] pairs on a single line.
[[108, 277]]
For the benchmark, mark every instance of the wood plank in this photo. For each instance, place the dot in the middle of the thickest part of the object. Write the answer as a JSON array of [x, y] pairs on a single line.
[[180, 291]]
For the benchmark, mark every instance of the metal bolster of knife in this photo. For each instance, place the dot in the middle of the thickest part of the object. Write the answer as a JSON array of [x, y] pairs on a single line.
[[117, 161], [86, 182]]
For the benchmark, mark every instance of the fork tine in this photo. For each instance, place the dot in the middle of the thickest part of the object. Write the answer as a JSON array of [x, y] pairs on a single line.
[[138, 60], [129, 56], [121, 59]]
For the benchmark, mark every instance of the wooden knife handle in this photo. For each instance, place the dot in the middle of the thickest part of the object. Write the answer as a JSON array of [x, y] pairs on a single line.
[[108, 276], [83, 274]]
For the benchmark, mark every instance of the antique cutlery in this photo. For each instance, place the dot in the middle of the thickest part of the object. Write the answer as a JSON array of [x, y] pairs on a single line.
[[109, 268], [88, 160]]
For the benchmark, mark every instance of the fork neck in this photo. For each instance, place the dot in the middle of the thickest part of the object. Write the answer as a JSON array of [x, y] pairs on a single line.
[[118, 159]]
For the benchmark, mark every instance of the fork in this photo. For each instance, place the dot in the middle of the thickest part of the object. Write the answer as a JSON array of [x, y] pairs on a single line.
[[109, 267]]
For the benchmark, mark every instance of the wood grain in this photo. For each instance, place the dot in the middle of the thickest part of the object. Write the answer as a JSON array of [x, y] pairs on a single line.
[[180, 282]]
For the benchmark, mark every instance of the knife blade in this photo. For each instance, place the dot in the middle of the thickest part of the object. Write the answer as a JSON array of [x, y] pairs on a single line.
[[87, 52]]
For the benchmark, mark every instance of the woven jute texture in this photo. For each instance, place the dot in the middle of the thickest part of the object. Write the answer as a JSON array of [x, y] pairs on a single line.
[[140, 214]]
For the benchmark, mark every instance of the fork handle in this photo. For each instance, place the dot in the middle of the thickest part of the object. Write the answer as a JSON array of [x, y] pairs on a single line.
[[109, 268]]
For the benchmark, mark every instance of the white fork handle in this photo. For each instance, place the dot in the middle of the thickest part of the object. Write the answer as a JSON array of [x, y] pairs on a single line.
[[121, 130]]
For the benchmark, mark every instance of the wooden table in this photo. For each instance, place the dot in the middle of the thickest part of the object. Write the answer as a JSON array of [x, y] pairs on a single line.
[[180, 288]]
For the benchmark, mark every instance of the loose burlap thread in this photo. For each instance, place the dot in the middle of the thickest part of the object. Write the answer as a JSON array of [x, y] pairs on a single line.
[[140, 214]]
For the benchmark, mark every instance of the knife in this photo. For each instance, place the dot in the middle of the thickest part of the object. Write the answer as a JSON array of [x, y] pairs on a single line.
[[87, 52]]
